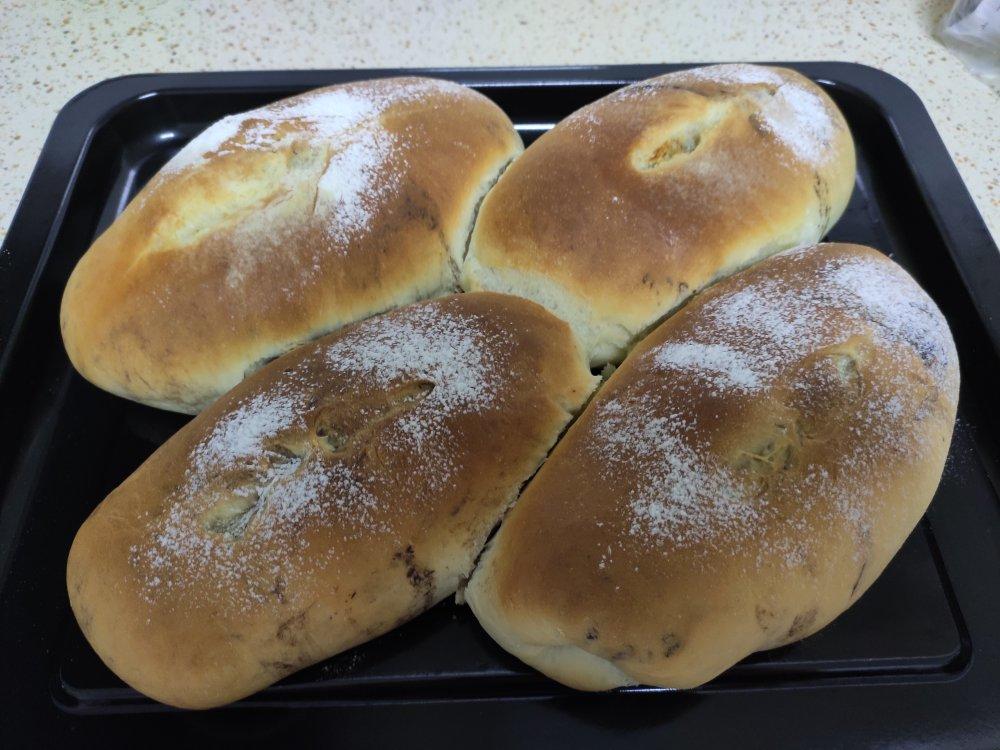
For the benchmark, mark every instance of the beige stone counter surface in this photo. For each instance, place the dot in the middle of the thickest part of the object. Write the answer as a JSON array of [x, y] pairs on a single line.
[[49, 51]]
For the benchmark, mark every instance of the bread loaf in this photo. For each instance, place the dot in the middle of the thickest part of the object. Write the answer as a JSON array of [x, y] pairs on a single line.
[[278, 225], [633, 203], [740, 480], [338, 492]]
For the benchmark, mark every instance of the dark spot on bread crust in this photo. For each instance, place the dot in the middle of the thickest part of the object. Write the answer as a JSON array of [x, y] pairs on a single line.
[[802, 623], [278, 590], [289, 631], [419, 577], [279, 666], [624, 653], [671, 644], [757, 123], [765, 618], [857, 582], [592, 634], [822, 191], [459, 505]]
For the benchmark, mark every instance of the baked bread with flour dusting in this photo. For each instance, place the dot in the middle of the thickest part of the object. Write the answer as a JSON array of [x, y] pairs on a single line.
[[279, 225], [341, 490], [633, 203], [740, 480]]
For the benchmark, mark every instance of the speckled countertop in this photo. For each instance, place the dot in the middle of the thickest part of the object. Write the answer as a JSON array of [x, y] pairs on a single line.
[[51, 50]]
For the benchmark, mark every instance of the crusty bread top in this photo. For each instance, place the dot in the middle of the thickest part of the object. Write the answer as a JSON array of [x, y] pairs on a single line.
[[343, 488], [278, 225], [743, 476], [639, 199]]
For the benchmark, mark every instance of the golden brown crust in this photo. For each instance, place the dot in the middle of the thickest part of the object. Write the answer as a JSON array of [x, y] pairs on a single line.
[[739, 481], [336, 493], [279, 225], [624, 209]]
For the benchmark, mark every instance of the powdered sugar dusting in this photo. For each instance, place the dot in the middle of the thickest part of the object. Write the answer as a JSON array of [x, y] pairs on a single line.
[[902, 310], [720, 365], [364, 161], [259, 477], [740, 74], [787, 108], [439, 347], [209, 141], [735, 349], [329, 112], [751, 335], [586, 121], [684, 496], [241, 433], [801, 120], [323, 115], [355, 183]]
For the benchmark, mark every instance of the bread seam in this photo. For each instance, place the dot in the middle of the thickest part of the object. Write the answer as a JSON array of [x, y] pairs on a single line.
[[573, 416]]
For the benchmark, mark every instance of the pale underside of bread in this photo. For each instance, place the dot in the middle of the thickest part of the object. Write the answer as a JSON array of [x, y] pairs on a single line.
[[739, 481], [333, 495], [630, 205], [278, 226]]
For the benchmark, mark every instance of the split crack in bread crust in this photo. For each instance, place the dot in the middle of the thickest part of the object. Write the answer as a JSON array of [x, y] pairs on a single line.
[[276, 226], [634, 202], [738, 482], [338, 492]]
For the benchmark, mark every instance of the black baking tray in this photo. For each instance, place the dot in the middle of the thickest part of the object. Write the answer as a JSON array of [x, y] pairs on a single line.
[[916, 661]]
